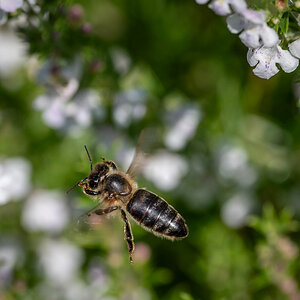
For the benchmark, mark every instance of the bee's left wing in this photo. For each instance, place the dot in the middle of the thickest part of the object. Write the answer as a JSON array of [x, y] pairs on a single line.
[[140, 156]]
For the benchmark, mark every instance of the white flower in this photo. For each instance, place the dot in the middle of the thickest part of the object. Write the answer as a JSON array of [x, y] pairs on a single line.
[[294, 48], [235, 211], [14, 179], [3, 17], [121, 60], [129, 106], [60, 112], [97, 275], [54, 74], [225, 7], [83, 106], [53, 110], [61, 109], [220, 7], [10, 5], [255, 30], [255, 33], [12, 52], [60, 260], [45, 211], [235, 23], [165, 170], [265, 60], [9, 254], [255, 36], [182, 127], [233, 164]]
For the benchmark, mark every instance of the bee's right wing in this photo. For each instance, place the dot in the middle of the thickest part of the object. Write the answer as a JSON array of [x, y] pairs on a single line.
[[84, 221]]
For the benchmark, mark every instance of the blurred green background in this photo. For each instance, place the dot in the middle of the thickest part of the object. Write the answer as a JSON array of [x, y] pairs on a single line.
[[225, 154]]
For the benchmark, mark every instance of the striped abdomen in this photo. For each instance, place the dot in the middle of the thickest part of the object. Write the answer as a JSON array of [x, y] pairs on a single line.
[[156, 214]]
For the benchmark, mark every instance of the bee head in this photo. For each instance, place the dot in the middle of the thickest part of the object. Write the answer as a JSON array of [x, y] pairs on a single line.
[[95, 177], [96, 174]]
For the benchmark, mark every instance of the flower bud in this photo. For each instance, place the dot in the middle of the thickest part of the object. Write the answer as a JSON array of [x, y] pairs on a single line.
[[86, 28], [75, 13], [281, 4]]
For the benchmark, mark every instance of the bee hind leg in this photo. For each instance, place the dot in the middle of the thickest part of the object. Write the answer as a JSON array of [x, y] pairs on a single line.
[[105, 211], [128, 235]]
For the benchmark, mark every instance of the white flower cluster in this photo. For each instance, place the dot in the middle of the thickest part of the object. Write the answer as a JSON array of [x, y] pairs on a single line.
[[182, 122], [129, 106], [165, 170], [263, 42], [8, 6], [15, 174], [64, 106], [45, 211], [10, 256]]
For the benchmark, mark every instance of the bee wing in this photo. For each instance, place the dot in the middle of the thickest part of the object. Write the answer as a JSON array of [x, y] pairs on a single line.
[[83, 222], [140, 157]]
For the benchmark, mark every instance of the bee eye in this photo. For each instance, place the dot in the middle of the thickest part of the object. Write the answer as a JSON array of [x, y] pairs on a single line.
[[103, 168], [93, 182]]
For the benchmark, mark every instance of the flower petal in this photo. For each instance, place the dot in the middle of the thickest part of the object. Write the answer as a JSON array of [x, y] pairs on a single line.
[[238, 5], [55, 116], [235, 23], [267, 59], [3, 17], [250, 37], [10, 5], [294, 48], [254, 16], [268, 36], [220, 7], [252, 61], [266, 71], [287, 61], [202, 1]]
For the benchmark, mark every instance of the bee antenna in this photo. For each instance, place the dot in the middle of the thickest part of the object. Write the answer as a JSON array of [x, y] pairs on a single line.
[[89, 157], [77, 184]]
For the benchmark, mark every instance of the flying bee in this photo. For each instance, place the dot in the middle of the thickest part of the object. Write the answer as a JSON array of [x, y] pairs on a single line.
[[117, 190]]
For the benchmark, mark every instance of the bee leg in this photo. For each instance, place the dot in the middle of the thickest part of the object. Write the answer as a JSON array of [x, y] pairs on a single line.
[[92, 193], [105, 211], [128, 235]]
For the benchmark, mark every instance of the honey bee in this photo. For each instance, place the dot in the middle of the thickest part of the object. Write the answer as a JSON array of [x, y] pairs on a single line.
[[117, 190]]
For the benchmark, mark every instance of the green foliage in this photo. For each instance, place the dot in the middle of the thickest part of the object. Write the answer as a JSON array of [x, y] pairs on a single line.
[[277, 253], [162, 60]]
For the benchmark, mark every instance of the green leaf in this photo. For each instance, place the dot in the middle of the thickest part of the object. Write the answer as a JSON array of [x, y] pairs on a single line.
[[186, 296], [284, 23]]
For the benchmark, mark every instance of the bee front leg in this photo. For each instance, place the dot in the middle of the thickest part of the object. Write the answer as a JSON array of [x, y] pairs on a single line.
[[128, 235], [90, 192]]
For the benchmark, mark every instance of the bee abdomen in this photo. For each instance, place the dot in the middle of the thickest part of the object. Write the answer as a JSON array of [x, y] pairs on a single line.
[[156, 214]]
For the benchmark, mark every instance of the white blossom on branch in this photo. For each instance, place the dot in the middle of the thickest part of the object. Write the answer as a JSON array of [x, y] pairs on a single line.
[[263, 42], [265, 60]]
